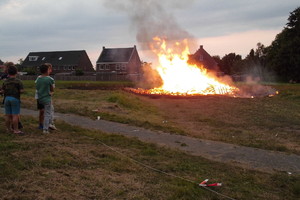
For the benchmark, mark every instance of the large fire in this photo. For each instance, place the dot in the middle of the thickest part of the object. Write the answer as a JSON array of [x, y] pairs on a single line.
[[179, 78]]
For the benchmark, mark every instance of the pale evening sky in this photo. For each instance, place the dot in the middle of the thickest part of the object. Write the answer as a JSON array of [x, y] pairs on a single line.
[[59, 25]]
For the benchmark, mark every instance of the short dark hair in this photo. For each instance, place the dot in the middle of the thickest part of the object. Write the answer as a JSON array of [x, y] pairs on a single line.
[[12, 70], [44, 68], [49, 64]]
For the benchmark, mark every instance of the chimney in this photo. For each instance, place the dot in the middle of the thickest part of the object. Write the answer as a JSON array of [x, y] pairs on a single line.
[[103, 47], [201, 46]]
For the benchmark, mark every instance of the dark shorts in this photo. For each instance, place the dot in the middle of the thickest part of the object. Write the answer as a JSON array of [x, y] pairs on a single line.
[[12, 105], [39, 105]]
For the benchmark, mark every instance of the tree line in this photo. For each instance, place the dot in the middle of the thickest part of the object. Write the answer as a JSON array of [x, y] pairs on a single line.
[[278, 62], [281, 59]]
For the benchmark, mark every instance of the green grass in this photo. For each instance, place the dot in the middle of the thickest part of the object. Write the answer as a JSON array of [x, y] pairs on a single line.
[[73, 163], [85, 84], [113, 105], [267, 123]]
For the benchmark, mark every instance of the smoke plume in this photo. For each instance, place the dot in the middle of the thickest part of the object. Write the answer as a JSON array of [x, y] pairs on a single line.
[[150, 18]]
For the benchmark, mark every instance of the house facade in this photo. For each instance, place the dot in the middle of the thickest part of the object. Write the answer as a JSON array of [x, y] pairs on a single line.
[[64, 62], [119, 64], [1, 66], [201, 57]]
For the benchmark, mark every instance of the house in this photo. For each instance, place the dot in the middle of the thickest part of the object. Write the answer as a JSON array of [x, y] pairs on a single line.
[[119, 64], [67, 62], [2, 67], [201, 57]]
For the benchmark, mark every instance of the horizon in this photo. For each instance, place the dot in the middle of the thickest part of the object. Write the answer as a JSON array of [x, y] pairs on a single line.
[[221, 27]]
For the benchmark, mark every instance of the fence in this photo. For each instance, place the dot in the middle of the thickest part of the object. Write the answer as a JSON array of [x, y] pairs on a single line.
[[98, 77], [66, 78]]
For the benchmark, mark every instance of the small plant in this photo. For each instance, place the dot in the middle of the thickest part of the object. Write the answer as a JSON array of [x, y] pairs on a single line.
[[79, 72]]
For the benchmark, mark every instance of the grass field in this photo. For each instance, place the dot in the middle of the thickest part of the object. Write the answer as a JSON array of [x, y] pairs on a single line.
[[271, 123], [73, 163]]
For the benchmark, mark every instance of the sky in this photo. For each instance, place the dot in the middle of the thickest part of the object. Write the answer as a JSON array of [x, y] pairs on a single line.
[[222, 27]]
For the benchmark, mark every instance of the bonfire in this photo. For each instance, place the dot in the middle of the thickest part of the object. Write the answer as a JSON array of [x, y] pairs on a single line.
[[179, 77]]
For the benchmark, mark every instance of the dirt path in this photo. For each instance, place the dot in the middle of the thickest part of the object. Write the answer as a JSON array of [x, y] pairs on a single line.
[[247, 157]]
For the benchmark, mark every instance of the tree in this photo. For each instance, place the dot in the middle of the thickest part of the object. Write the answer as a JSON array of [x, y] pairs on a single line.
[[217, 59], [254, 64], [283, 54], [21, 60], [230, 63]]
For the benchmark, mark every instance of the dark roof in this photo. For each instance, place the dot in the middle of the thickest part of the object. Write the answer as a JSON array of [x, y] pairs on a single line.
[[115, 55], [55, 58], [1, 62]]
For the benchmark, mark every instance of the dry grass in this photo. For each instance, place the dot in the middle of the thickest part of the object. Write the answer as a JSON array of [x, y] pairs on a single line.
[[267, 123], [72, 163]]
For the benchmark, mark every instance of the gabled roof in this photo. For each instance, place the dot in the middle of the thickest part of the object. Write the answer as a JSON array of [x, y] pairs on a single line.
[[116, 54], [203, 57], [54, 57]]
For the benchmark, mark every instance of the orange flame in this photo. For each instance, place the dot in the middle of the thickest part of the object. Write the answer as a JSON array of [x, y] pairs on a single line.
[[181, 78]]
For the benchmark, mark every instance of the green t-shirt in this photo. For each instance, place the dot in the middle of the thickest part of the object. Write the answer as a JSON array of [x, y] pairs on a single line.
[[12, 87], [43, 85]]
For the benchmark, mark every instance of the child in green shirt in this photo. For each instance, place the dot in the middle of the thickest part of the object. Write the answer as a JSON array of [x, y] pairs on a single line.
[[45, 89]]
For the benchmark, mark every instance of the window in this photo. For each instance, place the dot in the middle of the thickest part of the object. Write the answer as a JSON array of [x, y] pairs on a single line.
[[124, 67], [118, 66], [73, 68], [43, 58], [107, 67], [60, 58], [100, 67], [201, 58], [70, 67], [33, 58]]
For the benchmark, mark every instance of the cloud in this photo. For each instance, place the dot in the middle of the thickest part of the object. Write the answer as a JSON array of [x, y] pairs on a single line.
[[35, 25], [44, 25], [239, 43], [216, 18]]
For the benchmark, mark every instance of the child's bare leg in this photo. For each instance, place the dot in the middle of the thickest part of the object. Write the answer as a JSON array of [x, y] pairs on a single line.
[[15, 121], [8, 122]]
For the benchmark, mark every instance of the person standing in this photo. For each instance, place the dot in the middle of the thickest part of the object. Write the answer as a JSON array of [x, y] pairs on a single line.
[[5, 76], [12, 88], [40, 106], [45, 88]]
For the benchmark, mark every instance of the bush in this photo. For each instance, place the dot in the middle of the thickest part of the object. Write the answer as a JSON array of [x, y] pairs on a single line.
[[79, 72], [30, 71]]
